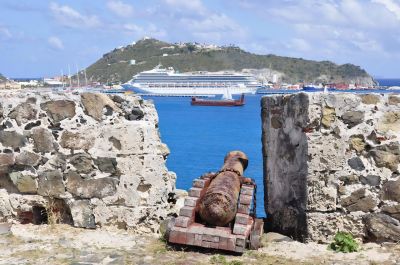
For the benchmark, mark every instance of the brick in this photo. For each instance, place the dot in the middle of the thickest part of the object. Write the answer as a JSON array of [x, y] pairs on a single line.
[[187, 211], [239, 249], [231, 244], [177, 236], [244, 208], [199, 183], [241, 241], [239, 229], [205, 244], [195, 192], [191, 201], [183, 221], [223, 243], [222, 230], [214, 245], [241, 219], [198, 239], [210, 238], [245, 199], [248, 186], [246, 191], [190, 238]]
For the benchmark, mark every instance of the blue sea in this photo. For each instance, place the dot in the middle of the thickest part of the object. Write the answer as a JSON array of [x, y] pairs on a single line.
[[200, 137]]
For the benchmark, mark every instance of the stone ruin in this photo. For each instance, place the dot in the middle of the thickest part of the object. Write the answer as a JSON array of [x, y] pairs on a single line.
[[331, 163], [89, 160]]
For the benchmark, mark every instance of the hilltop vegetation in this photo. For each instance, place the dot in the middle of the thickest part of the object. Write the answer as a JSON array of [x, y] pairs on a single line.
[[115, 66], [2, 78]]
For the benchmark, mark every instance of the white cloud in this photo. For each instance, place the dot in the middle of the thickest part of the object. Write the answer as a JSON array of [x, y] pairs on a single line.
[[69, 17], [132, 28], [391, 5], [188, 5], [5, 32], [138, 31], [299, 45], [120, 8], [55, 43]]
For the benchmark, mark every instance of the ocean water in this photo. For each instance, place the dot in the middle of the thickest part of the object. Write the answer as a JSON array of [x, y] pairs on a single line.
[[200, 137], [389, 81]]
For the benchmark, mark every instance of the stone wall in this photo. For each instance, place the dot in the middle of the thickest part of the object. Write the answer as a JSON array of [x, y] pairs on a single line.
[[331, 163], [89, 160]]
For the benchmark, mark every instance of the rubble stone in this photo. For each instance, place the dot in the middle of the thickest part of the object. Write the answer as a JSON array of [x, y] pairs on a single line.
[[12, 139], [382, 228], [59, 110], [43, 140], [23, 113]]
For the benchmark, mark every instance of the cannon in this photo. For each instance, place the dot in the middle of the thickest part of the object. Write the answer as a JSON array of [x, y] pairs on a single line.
[[219, 212]]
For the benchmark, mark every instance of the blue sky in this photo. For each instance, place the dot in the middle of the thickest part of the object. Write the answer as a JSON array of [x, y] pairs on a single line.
[[40, 38]]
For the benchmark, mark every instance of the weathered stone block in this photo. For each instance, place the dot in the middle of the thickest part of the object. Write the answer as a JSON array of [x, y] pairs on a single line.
[[82, 214], [82, 163], [23, 113], [106, 164], [12, 139], [96, 105], [392, 209], [6, 160], [359, 200], [50, 184], [394, 100], [372, 180], [391, 190], [389, 122], [76, 140], [353, 118], [356, 163], [59, 110], [90, 188], [25, 183], [381, 228], [43, 140], [26, 158], [370, 99]]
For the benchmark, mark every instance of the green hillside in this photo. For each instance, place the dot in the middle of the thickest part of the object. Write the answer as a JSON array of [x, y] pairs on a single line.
[[2, 78], [114, 66]]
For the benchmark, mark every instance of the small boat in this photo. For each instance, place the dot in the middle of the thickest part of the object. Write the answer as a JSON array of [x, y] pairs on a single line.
[[226, 101], [313, 88]]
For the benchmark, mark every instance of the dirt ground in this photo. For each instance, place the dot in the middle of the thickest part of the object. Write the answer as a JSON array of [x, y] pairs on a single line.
[[62, 244]]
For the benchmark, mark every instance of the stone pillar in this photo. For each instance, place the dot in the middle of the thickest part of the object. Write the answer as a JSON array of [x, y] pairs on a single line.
[[331, 163], [285, 163]]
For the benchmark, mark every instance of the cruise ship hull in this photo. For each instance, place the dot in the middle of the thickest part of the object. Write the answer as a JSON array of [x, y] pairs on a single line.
[[189, 91], [161, 81]]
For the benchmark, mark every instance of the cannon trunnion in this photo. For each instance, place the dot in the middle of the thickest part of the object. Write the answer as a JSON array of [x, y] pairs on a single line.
[[219, 212]]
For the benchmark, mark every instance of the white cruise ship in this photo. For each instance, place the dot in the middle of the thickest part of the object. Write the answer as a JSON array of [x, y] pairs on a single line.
[[161, 81]]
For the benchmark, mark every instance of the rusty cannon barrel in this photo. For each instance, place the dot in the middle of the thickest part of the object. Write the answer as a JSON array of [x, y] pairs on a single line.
[[218, 205]]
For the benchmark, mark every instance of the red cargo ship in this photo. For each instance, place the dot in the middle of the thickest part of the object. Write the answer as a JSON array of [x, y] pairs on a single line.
[[221, 102]]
